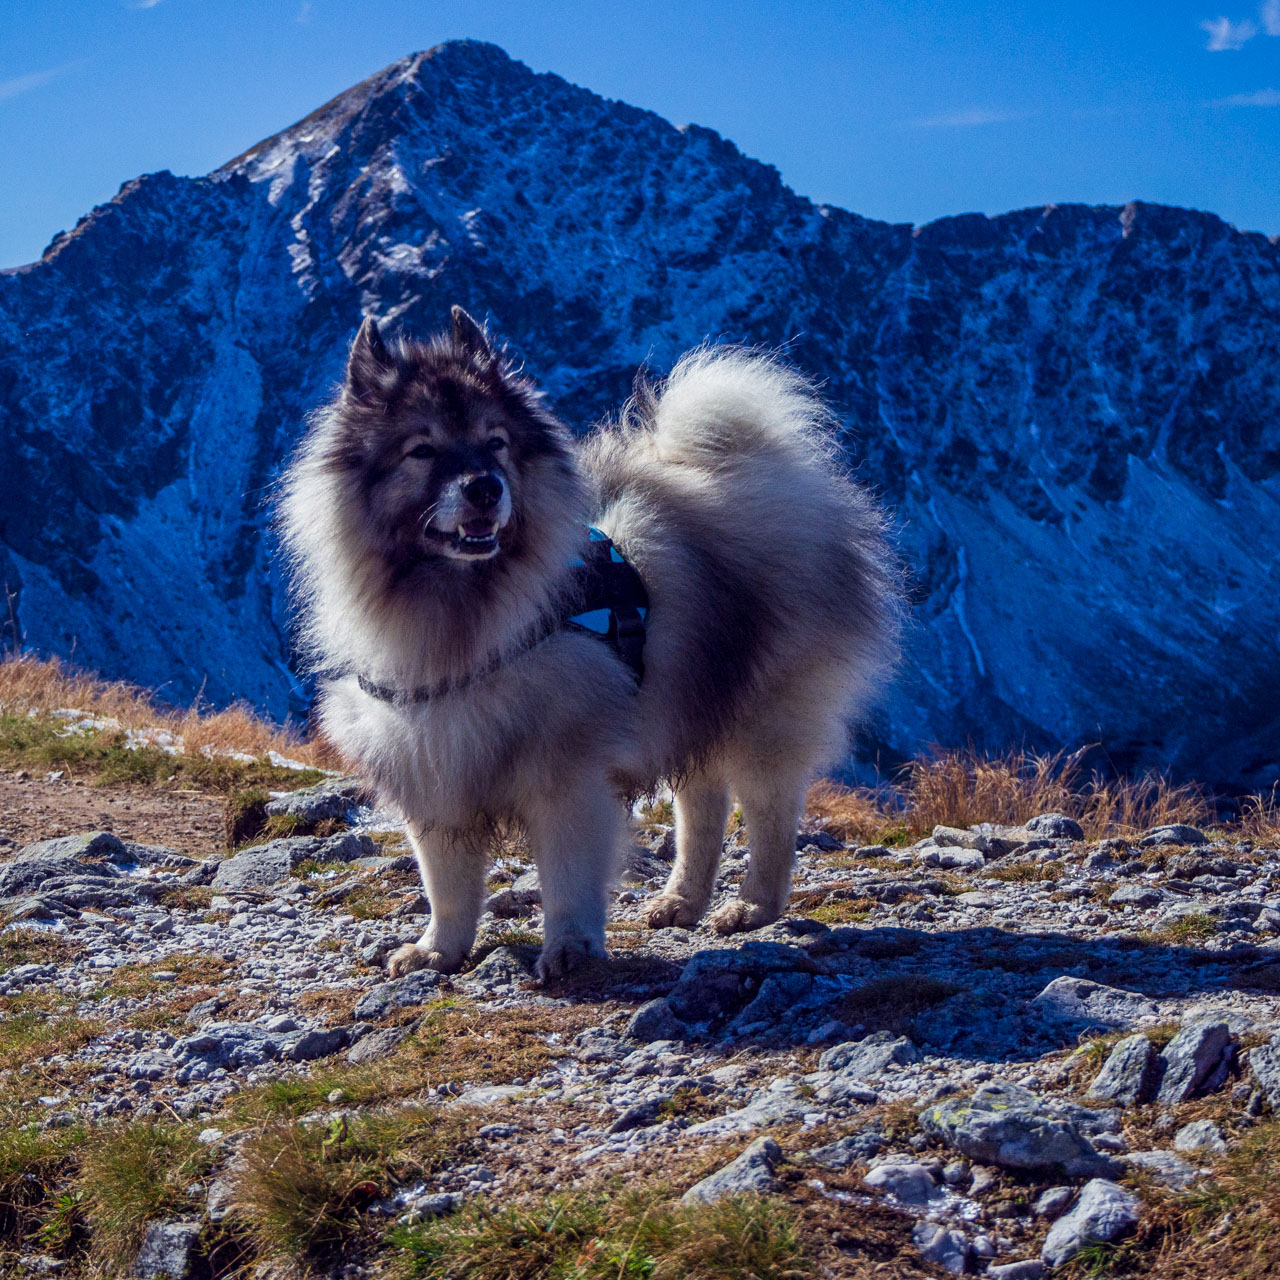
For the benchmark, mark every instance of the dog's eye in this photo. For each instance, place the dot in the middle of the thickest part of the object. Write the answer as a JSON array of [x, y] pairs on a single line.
[[496, 442], [423, 450]]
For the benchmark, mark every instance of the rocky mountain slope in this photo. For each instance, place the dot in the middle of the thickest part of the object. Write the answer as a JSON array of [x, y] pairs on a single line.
[[1073, 413]]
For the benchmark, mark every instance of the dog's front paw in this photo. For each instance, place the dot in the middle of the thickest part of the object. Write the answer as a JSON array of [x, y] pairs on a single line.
[[738, 916], [411, 957], [560, 956], [669, 909]]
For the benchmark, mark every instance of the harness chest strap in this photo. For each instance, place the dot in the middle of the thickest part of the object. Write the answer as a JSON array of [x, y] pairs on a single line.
[[609, 602]]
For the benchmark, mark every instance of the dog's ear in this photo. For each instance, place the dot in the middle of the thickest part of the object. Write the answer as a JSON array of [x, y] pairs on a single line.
[[468, 335], [369, 364]]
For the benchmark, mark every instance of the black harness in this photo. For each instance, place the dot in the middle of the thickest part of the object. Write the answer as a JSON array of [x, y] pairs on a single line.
[[607, 600]]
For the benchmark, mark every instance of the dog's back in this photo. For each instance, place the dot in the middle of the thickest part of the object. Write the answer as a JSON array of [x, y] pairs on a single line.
[[770, 580]]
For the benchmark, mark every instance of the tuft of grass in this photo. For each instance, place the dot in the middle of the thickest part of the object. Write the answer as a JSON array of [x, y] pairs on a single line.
[[35, 946], [1025, 872], [130, 1175], [301, 1190], [1183, 930], [890, 1004], [30, 1035], [33, 1163], [628, 1236]]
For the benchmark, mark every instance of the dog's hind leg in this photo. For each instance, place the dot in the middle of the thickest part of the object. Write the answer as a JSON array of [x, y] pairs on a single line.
[[453, 865], [576, 834], [702, 807], [772, 800]]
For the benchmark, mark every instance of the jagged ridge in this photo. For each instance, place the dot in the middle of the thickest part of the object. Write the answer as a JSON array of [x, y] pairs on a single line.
[[1072, 411]]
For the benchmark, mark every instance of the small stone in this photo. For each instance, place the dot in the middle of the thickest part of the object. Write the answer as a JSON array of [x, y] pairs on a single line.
[[1027, 1269], [907, 1182], [1264, 1064], [1136, 895], [1055, 826], [855, 1148], [943, 1245], [1103, 1213], [378, 1044], [1200, 1135], [655, 1021], [752, 1171], [167, 1250], [1053, 1202], [1168, 1169]]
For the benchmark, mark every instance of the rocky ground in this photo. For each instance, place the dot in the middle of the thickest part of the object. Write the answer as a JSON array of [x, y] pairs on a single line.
[[1000, 1050]]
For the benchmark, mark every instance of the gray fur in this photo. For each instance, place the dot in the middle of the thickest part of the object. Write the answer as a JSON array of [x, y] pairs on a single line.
[[774, 609]]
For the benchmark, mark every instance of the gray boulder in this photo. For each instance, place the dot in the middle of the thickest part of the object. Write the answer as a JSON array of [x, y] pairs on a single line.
[[378, 1044], [1168, 1169], [869, 1057], [766, 1108], [1138, 896], [167, 1250], [266, 865], [1010, 1126], [905, 1180], [752, 1171], [1027, 1269], [1082, 1003], [1104, 1212], [1193, 1060], [655, 1021], [1129, 1074], [331, 799], [1055, 826], [1174, 833]]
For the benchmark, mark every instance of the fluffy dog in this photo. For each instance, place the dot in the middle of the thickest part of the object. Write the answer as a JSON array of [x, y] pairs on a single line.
[[432, 513]]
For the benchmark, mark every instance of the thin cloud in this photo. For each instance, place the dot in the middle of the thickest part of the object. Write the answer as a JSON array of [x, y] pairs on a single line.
[[144, 4], [304, 12], [1270, 15], [1225, 34], [969, 119], [22, 84], [1263, 98]]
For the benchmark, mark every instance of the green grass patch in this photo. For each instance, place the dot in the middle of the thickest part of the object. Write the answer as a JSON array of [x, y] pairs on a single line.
[[625, 1236], [1179, 932]]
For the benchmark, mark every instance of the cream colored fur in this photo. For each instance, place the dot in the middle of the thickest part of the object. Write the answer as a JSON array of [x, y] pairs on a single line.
[[773, 611]]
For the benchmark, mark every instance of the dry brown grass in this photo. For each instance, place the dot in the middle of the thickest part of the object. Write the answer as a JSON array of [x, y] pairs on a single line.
[[1260, 818], [964, 788], [43, 685]]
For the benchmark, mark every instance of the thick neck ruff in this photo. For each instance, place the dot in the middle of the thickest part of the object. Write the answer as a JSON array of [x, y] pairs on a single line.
[[607, 600]]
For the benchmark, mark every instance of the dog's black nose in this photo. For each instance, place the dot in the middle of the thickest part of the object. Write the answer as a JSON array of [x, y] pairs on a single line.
[[484, 490]]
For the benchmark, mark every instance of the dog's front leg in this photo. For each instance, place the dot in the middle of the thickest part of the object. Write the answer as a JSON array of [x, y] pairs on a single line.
[[576, 834], [453, 865]]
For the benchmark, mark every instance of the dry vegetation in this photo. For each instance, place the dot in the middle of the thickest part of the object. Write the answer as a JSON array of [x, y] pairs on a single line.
[[963, 788], [29, 684]]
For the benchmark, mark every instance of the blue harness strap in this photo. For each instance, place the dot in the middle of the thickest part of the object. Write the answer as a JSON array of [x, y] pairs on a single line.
[[610, 600]]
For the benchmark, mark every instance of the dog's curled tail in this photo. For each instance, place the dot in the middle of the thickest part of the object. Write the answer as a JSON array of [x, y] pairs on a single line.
[[724, 407]]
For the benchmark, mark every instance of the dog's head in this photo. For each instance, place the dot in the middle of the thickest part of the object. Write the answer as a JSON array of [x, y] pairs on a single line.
[[451, 452]]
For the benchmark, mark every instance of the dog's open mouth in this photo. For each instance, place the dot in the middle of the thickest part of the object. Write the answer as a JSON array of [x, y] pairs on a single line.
[[472, 539]]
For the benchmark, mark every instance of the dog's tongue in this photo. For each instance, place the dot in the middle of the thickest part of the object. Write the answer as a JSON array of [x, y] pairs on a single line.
[[477, 528]]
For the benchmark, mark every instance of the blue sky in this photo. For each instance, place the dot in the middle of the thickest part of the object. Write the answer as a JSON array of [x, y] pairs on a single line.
[[897, 109]]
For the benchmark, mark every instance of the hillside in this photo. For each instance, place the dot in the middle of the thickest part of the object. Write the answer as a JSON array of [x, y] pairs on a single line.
[[1073, 413]]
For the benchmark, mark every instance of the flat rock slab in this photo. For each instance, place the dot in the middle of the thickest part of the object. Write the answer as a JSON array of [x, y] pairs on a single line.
[[333, 798], [266, 865], [752, 1171], [764, 1109], [419, 987], [1078, 1001], [1104, 1212], [1005, 1125]]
